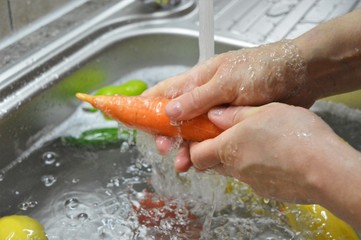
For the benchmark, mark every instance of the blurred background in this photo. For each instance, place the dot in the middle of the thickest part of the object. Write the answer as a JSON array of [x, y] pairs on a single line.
[[256, 21]]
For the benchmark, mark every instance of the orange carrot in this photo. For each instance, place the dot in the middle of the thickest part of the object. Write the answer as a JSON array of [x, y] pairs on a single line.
[[148, 115]]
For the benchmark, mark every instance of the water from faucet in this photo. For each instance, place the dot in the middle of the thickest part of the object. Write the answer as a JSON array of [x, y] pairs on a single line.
[[206, 30]]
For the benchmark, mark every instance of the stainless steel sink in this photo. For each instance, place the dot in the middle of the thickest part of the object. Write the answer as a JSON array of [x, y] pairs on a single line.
[[39, 112], [51, 68], [48, 98], [38, 109]]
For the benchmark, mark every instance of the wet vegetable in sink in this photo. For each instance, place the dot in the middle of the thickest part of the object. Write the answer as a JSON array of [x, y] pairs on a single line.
[[311, 221], [99, 138], [148, 115], [313, 218], [21, 227], [133, 87], [108, 137]]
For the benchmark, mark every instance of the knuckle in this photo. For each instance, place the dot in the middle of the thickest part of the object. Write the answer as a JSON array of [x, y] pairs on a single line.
[[237, 116], [227, 153], [196, 98]]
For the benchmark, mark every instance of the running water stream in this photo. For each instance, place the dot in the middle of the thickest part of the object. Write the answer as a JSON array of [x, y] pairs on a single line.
[[225, 208], [206, 30]]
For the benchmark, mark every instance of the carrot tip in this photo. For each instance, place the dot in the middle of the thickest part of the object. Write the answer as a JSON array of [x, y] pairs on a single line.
[[83, 97]]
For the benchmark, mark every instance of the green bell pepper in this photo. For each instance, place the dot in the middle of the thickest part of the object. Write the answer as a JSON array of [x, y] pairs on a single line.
[[133, 87], [108, 137], [100, 138], [130, 88]]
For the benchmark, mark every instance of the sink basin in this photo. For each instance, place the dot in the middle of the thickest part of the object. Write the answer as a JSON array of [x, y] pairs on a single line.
[[48, 99], [40, 174], [90, 191]]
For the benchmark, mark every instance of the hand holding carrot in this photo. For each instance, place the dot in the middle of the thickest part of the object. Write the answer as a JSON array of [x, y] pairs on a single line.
[[261, 145], [247, 77], [148, 114], [284, 152]]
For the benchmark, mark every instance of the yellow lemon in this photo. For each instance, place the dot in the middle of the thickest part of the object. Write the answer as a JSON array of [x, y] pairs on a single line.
[[311, 221], [315, 222], [17, 227]]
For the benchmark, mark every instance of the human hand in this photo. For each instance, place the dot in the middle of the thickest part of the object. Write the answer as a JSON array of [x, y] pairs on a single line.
[[252, 77], [281, 151], [274, 72], [317, 167]]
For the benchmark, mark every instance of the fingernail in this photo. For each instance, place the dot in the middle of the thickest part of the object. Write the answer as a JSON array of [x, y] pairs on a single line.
[[173, 109], [216, 112]]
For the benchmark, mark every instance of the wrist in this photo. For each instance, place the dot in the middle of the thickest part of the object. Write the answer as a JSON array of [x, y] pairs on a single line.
[[336, 180], [332, 53]]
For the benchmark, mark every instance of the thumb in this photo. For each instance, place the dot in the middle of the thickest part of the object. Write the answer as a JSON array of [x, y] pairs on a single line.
[[226, 117]]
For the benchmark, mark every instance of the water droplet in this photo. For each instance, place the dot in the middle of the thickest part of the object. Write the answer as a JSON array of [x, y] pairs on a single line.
[[124, 147], [32, 203], [48, 180], [26, 205], [23, 206], [175, 123], [2, 176], [113, 182], [49, 158], [75, 180], [182, 212], [108, 192], [71, 203], [82, 217]]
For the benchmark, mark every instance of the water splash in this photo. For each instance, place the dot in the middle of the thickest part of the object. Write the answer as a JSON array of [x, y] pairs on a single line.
[[48, 180], [25, 206], [71, 203], [49, 158], [204, 195]]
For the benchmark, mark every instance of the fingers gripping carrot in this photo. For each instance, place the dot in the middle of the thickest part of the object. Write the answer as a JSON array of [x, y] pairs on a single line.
[[148, 115]]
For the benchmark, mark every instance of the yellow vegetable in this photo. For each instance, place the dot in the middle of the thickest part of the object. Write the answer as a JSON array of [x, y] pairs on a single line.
[[17, 227], [312, 222], [316, 222], [351, 99]]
